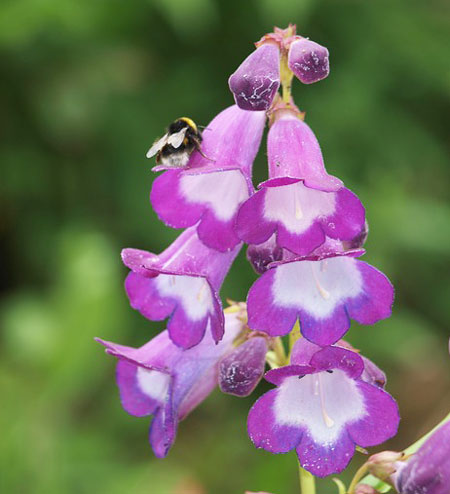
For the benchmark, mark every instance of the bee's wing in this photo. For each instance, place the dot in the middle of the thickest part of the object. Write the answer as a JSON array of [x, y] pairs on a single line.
[[176, 139], [157, 146]]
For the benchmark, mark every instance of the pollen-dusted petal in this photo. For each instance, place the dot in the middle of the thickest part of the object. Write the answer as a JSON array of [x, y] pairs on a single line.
[[309, 61], [322, 459], [209, 191], [241, 370], [257, 79], [264, 429]]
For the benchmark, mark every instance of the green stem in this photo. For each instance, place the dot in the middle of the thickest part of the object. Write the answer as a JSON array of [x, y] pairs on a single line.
[[307, 481]]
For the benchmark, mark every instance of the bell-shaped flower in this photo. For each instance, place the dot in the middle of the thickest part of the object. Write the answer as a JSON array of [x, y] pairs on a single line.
[[182, 283], [300, 202], [322, 291], [322, 409], [308, 60], [242, 369], [210, 190], [162, 380], [428, 470], [257, 79]]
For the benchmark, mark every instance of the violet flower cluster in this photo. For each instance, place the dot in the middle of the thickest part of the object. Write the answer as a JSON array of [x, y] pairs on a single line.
[[305, 231]]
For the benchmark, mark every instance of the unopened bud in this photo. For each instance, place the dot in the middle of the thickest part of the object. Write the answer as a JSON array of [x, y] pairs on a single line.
[[257, 79], [309, 61]]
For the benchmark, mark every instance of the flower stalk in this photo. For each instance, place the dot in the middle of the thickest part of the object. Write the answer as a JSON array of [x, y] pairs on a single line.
[[307, 481]]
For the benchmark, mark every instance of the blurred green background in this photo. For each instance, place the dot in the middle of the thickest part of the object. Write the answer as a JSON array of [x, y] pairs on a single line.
[[86, 86]]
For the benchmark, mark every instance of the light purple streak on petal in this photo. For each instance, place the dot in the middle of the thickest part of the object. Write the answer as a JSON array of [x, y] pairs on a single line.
[[338, 358], [375, 303], [309, 61], [293, 151], [380, 421], [209, 191], [265, 432], [325, 459], [257, 79], [428, 470], [241, 370]]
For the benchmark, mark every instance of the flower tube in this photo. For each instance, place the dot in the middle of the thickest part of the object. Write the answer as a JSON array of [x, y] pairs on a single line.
[[300, 202], [162, 380]]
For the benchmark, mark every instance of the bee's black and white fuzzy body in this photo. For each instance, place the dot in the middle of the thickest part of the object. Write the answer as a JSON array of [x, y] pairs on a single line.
[[174, 148]]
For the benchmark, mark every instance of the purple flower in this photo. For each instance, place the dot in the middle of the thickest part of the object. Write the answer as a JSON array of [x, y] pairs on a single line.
[[209, 191], [242, 369], [300, 202], [322, 409], [323, 292], [308, 60], [257, 79], [428, 470], [262, 255], [162, 380], [181, 283]]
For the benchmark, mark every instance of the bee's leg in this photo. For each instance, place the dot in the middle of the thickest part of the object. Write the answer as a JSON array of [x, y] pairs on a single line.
[[198, 147]]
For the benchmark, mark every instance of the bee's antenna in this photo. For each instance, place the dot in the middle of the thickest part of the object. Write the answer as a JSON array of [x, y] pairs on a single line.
[[203, 127]]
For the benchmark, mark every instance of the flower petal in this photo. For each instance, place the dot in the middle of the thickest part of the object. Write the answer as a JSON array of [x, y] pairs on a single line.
[[381, 419], [322, 459], [264, 430]]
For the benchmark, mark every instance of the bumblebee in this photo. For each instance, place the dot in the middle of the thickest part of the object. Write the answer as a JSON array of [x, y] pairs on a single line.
[[175, 147]]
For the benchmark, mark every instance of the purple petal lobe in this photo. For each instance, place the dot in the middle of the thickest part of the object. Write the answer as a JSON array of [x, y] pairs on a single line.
[[381, 420], [264, 430], [308, 60], [322, 459], [257, 79], [242, 369]]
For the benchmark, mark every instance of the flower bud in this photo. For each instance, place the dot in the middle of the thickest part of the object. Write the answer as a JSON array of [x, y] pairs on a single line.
[[241, 370], [383, 465], [365, 489], [260, 256], [257, 79], [308, 60]]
